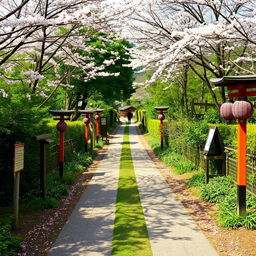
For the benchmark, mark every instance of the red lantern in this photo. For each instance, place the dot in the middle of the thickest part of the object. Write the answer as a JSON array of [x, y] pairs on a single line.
[[161, 117], [242, 109], [87, 120], [61, 126], [226, 111]]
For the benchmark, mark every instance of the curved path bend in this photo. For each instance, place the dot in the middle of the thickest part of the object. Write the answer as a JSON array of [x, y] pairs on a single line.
[[89, 230]]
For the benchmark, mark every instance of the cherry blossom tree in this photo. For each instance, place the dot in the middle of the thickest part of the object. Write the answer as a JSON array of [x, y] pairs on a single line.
[[38, 35], [212, 38]]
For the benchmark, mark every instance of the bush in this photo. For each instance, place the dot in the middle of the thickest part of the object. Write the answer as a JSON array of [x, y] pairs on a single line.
[[217, 189], [9, 244], [197, 180], [153, 127], [82, 159], [196, 133], [38, 204], [222, 190], [55, 187], [179, 163], [74, 167], [68, 178]]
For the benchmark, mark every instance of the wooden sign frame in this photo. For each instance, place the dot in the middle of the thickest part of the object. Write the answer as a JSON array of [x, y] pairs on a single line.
[[213, 136]]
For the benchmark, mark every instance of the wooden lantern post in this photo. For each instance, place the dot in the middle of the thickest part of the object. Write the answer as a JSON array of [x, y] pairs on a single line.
[[87, 114], [61, 126], [97, 118], [238, 87], [161, 111]]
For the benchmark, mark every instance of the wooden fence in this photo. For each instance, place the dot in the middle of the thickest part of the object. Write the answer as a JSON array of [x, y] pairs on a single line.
[[196, 156], [52, 153]]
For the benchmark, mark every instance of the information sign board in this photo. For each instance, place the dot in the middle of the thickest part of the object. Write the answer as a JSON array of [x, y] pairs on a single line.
[[18, 157], [209, 139], [103, 121]]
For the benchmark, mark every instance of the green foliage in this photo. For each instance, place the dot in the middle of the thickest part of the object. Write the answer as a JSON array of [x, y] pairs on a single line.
[[197, 180], [82, 159], [217, 189], [221, 190], [179, 163], [56, 190], [229, 219], [250, 220], [212, 116], [9, 244], [153, 127], [196, 133], [38, 204], [68, 178], [113, 87], [74, 167]]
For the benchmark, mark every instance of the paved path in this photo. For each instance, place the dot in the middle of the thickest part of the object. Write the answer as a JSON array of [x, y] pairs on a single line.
[[90, 226], [172, 231]]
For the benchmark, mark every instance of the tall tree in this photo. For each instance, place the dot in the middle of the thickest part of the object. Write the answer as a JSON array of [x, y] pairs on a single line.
[[210, 37], [113, 83]]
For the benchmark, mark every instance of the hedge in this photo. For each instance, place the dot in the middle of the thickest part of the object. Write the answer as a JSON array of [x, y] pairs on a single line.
[[30, 174], [194, 133]]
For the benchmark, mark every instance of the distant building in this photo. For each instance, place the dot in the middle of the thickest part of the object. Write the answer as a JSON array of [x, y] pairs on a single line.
[[124, 110]]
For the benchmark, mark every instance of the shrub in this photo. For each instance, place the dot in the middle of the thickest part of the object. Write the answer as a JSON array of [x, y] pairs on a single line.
[[82, 159], [250, 220], [229, 219], [68, 178], [153, 127], [9, 244], [55, 188], [74, 167], [217, 189], [197, 180], [37, 203], [196, 133]]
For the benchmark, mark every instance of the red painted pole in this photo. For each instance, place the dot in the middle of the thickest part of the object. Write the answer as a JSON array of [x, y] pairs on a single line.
[[241, 168], [61, 156], [86, 136]]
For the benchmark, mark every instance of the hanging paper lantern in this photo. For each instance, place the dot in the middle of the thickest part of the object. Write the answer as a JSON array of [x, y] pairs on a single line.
[[161, 117], [242, 109], [87, 120], [61, 126], [97, 117], [226, 111]]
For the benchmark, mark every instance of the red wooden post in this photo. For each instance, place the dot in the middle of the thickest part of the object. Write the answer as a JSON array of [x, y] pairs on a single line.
[[161, 132], [161, 117], [86, 131], [97, 118], [86, 113], [61, 127], [242, 110], [241, 168]]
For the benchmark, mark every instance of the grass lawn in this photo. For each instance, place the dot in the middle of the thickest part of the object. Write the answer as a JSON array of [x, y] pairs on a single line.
[[130, 232]]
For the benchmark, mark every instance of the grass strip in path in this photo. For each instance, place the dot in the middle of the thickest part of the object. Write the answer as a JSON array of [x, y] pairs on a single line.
[[130, 236]]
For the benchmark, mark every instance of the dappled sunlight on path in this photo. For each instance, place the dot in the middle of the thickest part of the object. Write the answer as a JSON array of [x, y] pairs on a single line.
[[90, 227], [171, 229]]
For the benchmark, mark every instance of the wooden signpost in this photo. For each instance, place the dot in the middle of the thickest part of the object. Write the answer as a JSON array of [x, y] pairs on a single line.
[[43, 139], [18, 167], [214, 150], [104, 129]]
